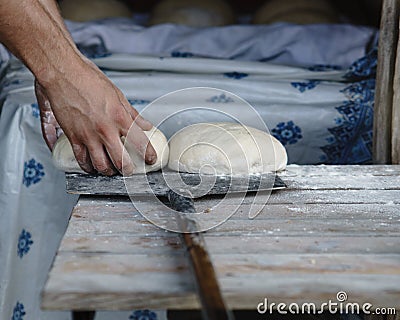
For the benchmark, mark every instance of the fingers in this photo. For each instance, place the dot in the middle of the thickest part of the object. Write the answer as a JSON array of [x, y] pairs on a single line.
[[136, 135], [141, 143], [140, 121], [82, 157], [94, 158], [125, 166], [105, 153]]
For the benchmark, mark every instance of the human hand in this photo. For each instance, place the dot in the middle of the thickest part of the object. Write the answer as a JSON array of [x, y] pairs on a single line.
[[51, 130], [94, 114]]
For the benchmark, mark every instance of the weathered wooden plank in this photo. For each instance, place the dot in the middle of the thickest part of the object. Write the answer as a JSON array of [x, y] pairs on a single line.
[[277, 290], [275, 227], [340, 170], [396, 109], [128, 281], [171, 245], [324, 196], [309, 212], [337, 182], [106, 211], [388, 38], [290, 196]]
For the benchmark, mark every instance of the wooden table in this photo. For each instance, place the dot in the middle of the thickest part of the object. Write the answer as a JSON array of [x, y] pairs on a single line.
[[336, 228]]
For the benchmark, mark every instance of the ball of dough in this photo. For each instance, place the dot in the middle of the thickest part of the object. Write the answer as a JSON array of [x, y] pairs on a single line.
[[86, 10], [299, 12], [225, 148], [64, 159], [194, 13]]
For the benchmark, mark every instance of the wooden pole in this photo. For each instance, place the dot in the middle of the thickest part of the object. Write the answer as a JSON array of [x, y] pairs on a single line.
[[396, 110], [384, 82], [212, 301]]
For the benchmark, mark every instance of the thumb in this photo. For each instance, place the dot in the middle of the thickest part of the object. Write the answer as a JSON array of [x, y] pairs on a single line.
[[48, 121]]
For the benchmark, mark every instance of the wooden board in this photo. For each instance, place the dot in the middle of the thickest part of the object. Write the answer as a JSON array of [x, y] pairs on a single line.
[[388, 38], [396, 110], [325, 234]]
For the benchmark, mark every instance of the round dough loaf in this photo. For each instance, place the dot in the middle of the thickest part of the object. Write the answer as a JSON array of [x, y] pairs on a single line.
[[194, 13], [64, 159], [299, 12], [86, 10], [225, 148]]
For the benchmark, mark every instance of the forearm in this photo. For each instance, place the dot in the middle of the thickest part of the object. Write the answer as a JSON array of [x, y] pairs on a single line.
[[93, 113], [33, 30]]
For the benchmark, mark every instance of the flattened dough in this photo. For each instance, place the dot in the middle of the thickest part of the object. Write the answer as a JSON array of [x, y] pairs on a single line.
[[64, 159], [225, 148]]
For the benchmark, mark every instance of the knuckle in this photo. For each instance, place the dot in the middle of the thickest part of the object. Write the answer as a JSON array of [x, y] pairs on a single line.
[[121, 115], [102, 168], [102, 130]]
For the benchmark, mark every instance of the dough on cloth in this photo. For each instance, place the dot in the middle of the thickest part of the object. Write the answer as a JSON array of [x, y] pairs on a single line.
[[225, 148], [193, 13], [64, 159], [86, 10]]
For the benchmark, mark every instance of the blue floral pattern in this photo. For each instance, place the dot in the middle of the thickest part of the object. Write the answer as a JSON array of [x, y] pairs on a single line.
[[33, 172], [324, 67], [236, 75], [179, 54], [287, 132], [35, 110], [222, 98], [143, 315], [351, 140], [24, 243], [18, 312], [364, 67], [136, 102], [303, 86]]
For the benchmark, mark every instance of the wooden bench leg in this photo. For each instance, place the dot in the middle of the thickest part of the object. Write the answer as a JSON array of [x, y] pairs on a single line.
[[83, 315]]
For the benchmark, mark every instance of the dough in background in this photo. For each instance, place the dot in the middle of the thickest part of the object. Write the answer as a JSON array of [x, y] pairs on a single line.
[[193, 13], [64, 159], [86, 10], [299, 12], [225, 148]]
